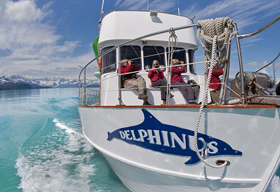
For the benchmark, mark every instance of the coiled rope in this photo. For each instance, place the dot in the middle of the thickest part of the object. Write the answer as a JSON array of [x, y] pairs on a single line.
[[216, 34], [211, 27]]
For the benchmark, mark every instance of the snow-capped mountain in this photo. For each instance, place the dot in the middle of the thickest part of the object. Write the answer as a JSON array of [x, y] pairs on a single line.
[[20, 82]]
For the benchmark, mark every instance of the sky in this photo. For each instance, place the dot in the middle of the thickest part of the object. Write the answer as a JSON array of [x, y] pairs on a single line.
[[43, 38]]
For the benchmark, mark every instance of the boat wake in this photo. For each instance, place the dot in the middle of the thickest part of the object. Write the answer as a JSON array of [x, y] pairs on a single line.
[[57, 158], [64, 127]]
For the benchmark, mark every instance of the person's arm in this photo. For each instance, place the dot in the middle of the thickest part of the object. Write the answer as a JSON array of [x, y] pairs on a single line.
[[178, 71], [217, 72], [126, 70], [150, 74], [135, 68], [160, 74]]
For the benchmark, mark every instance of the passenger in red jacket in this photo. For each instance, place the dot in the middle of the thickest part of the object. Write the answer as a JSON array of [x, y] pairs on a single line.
[[215, 85], [178, 82], [131, 81], [157, 79]]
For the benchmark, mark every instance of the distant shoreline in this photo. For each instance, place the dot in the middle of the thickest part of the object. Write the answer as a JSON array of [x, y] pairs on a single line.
[[17, 82], [27, 88]]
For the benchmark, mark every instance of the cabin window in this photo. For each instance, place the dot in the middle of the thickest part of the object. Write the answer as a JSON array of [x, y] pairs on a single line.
[[132, 52], [179, 53], [152, 53], [191, 60], [108, 60]]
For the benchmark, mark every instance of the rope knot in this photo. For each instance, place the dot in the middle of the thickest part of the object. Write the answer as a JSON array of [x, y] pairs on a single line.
[[220, 27]]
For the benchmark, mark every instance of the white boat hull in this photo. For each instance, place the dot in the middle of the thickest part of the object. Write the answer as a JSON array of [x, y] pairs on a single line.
[[254, 132]]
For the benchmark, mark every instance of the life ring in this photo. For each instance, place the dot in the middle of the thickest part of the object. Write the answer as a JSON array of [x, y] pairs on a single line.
[[100, 62], [277, 90]]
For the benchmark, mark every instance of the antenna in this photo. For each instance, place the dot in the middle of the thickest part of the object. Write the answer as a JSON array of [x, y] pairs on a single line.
[[101, 12], [273, 65], [179, 7]]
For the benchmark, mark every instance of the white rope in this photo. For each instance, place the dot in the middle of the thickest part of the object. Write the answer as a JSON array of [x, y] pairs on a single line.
[[211, 27], [216, 34], [203, 104], [173, 39]]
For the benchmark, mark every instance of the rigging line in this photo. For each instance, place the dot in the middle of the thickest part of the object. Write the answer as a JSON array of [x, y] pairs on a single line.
[[269, 63], [113, 90], [157, 52], [164, 67], [277, 67], [139, 57], [134, 50], [101, 12]]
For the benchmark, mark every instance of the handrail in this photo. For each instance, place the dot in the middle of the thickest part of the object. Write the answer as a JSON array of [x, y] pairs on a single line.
[[138, 38], [243, 95], [261, 29], [180, 28], [128, 42], [269, 63]]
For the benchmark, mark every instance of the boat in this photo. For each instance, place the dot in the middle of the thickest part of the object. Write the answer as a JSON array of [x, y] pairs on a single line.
[[229, 146]]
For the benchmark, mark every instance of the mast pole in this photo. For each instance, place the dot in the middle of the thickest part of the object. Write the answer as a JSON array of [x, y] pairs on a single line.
[[179, 7], [101, 12]]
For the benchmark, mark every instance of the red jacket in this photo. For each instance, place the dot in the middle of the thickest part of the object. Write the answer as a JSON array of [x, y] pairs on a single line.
[[127, 70], [154, 76], [176, 74], [215, 80]]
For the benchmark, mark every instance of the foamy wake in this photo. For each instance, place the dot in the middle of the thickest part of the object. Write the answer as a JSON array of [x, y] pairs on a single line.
[[59, 162], [62, 126]]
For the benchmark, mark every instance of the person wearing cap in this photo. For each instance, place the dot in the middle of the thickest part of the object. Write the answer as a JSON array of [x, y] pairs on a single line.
[[178, 82], [157, 79], [131, 81]]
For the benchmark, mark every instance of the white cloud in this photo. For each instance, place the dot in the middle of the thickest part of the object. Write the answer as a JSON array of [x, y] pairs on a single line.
[[131, 4], [253, 63], [22, 11], [30, 46], [243, 12], [157, 5]]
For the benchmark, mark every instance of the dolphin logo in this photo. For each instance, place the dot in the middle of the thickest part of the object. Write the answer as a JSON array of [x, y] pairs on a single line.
[[154, 135]]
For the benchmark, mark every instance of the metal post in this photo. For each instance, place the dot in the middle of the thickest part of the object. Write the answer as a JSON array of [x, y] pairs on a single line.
[[79, 93], [223, 93], [168, 86], [85, 92], [274, 77], [118, 63], [243, 96]]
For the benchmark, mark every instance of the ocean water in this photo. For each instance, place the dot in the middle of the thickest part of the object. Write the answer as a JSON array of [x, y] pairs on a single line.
[[42, 147]]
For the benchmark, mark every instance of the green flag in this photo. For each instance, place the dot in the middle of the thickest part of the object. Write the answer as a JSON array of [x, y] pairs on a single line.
[[94, 46]]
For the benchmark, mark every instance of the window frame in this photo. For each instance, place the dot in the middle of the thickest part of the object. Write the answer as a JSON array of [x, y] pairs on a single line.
[[162, 62], [185, 51], [191, 60], [139, 64], [103, 60]]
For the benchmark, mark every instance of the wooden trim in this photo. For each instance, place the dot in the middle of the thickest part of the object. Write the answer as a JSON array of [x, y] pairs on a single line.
[[189, 106]]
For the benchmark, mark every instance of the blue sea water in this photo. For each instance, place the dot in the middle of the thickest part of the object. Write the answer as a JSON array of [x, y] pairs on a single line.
[[42, 147]]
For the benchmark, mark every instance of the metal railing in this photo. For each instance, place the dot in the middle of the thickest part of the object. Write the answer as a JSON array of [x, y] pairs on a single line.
[[86, 94], [82, 85]]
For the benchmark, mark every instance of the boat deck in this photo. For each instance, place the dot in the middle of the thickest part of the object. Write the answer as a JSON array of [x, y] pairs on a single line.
[[183, 106]]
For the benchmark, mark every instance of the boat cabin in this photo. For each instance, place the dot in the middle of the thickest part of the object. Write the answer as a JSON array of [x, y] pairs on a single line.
[[121, 26]]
